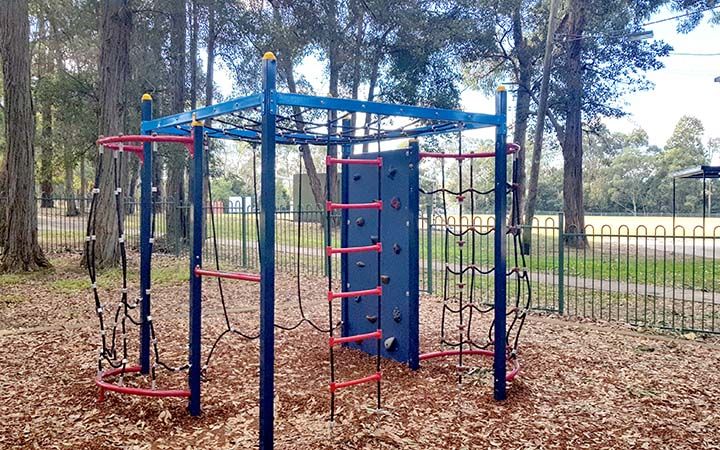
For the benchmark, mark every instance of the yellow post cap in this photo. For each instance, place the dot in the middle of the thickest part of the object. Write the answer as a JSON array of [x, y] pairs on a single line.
[[195, 122], [500, 89], [146, 97], [269, 55]]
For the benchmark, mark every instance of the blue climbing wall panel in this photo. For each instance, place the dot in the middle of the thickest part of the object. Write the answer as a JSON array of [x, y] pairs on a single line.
[[399, 258]]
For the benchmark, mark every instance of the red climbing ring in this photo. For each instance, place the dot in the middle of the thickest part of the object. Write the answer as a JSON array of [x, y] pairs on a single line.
[[107, 386], [487, 353]]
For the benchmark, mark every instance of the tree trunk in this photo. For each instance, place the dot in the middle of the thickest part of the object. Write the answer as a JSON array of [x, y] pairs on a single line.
[[532, 189], [194, 31], [210, 69], [134, 169], [312, 173], [177, 230], [522, 106], [46, 158], [572, 149], [45, 64], [71, 209], [374, 74], [21, 251], [114, 67], [83, 183]]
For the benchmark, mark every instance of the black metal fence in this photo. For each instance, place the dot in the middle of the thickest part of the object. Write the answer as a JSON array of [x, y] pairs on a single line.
[[650, 275]]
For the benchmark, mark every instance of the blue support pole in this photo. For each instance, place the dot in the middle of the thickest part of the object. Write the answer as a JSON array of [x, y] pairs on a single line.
[[145, 244], [194, 375], [267, 247], [500, 250]]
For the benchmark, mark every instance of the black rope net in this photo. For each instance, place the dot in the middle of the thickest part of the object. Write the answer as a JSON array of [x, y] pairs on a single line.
[[118, 320], [468, 285]]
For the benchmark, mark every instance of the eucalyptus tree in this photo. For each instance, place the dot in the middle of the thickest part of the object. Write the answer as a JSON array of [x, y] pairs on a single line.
[[20, 247]]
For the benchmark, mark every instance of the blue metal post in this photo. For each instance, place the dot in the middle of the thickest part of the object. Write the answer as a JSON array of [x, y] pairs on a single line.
[[196, 281], [267, 246], [145, 244], [500, 250]]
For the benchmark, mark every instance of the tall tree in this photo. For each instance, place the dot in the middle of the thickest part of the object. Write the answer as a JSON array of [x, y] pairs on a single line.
[[21, 250], [177, 230], [116, 24], [47, 69], [571, 143]]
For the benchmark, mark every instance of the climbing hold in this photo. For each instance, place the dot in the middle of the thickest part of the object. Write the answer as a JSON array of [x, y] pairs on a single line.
[[385, 279], [396, 314], [395, 203], [360, 264], [371, 319], [358, 298], [392, 172], [396, 248], [356, 177], [374, 239], [390, 344], [359, 221]]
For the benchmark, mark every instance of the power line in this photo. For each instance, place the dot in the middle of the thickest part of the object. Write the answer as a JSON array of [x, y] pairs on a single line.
[[680, 16]]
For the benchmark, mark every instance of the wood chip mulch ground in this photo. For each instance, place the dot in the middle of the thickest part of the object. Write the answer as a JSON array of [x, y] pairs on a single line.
[[581, 386]]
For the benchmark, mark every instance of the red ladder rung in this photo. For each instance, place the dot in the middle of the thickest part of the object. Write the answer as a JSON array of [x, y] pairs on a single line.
[[360, 162], [230, 275], [333, 295], [374, 377], [357, 338], [331, 206], [343, 250]]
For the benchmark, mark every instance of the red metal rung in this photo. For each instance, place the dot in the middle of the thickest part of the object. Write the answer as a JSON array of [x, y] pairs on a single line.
[[230, 275], [333, 295], [366, 248], [361, 162], [357, 338], [330, 206], [374, 377]]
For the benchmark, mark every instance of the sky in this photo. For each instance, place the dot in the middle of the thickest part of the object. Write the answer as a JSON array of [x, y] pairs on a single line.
[[684, 86]]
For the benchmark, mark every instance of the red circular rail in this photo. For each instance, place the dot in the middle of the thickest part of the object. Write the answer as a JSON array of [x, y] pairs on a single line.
[[114, 142], [126, 138], [487, 353], [511, 149], [107, 386]]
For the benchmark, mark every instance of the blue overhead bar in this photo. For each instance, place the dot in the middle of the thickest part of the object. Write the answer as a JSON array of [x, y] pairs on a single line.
[[206, 112]]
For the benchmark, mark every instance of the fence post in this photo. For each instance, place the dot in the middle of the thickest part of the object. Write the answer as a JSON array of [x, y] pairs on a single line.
[[243, 230], [561, 263], [428, 243]]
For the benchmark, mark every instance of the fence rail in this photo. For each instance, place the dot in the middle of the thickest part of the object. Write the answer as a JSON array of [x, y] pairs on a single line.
[[647, 275]]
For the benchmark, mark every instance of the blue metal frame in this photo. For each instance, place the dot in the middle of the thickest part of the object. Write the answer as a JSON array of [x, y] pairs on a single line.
[[267, 248], [195, 329], [500, 274], [207, 112], [145, 244], [268, 101]]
